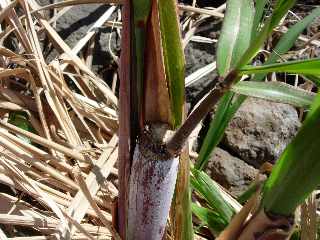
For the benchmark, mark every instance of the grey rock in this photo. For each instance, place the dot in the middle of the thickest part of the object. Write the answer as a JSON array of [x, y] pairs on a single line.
[[74, 25], [231, 172], [197, 56], [261, 130]]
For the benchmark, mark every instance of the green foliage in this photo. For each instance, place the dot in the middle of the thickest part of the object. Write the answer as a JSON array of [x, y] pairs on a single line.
[[260, 10], [283, 191], [314, 79], [275, 91], [20, 119], [236, 30], [248, 193], [210, 218], [141, 11], [216, 130], [296, 173], [309, 66], [290, 37], [174, 64], [230, 103], [173, 57], [295, 235], [281, 8], [211, 192], [233, 42]]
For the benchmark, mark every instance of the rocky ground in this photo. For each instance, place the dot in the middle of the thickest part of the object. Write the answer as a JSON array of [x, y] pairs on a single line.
[[259, 131]]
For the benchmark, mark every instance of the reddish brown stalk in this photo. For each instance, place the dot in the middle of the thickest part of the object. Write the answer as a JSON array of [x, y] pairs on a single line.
[[124, 120], [176, 143]]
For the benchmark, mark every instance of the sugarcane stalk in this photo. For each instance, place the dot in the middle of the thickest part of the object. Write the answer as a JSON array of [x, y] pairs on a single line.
[[152, 182]]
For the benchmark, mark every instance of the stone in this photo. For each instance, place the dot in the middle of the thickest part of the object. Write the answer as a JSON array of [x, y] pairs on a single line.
[[198, 55], [231, 172], [74, 25], [261, 130]]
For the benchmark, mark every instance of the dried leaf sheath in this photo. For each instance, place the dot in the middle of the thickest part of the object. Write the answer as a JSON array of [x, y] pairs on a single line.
[[125, 116], [152, 182], [263, 227], [155, 84]]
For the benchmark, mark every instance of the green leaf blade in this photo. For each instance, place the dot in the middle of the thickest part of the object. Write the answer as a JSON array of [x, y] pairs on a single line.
[[259, 13], [287, 41], [173, 57], [210, 218], [215, 131], [275, 91], [313, 78], [296, 173], [209, 189], [281, 8], [236, 31], [290, 37], [305, 67]]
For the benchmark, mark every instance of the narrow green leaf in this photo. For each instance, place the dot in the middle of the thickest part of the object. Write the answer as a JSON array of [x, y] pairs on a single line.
[[209, 190], [275, 91], [296, 173], [210, 218], [296, 235], [280, 9], [313, 78], [215, 132], [174, 63], [314, 108], [290, 37], [173, 57], [258, 16], [309, 66], [235, 34], [287, 40]]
